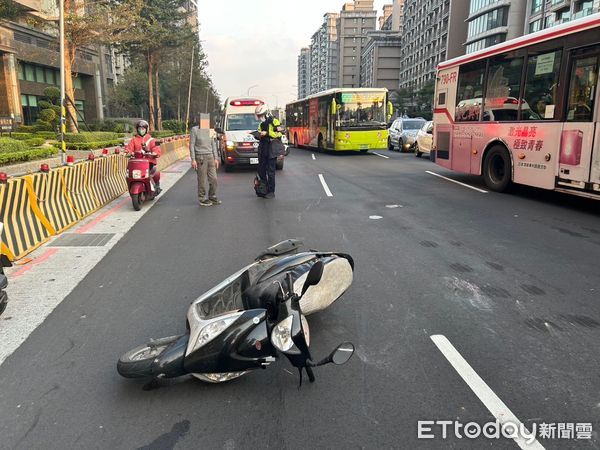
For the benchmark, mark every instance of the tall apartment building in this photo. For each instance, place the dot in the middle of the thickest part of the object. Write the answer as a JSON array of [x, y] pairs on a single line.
[[493, 21], [385, 20], [323, 56], [380, 60], [398, 15], [543, 14], [304, 73], [434, 30], [29, 63], [355, 21]]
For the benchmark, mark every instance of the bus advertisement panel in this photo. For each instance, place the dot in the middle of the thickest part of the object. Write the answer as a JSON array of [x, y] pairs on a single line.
[[524, 111], [340, 119]]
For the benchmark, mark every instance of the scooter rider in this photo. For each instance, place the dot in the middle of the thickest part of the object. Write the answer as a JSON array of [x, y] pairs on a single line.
[[144, 141], [267, 157]]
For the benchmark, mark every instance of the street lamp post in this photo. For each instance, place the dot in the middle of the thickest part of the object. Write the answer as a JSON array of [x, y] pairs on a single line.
[[63, 115]]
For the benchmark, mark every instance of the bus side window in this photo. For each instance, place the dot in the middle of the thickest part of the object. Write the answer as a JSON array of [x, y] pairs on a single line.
[[541, 87], [470, 87], [582, 90], [503, 87]]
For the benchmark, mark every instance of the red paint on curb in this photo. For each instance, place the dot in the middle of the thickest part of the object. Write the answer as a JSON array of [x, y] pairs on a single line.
[[101, 217], [40, 259]]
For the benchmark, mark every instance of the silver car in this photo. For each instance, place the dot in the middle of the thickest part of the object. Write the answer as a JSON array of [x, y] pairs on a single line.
[[403, 133]]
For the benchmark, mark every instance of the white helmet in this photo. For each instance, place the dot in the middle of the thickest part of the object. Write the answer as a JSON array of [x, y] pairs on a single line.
[[261, 110]]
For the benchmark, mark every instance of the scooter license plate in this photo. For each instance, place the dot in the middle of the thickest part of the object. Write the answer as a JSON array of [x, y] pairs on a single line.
[[253, 160]]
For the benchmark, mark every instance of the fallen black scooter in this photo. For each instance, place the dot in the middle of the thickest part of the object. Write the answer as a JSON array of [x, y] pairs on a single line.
[[244, 322]]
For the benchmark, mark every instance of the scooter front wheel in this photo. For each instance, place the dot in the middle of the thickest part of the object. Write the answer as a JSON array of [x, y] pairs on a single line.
[[137, 200], [137, 363], [218, 377]]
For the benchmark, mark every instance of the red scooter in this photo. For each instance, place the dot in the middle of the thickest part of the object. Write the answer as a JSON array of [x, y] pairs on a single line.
[[139, 178]]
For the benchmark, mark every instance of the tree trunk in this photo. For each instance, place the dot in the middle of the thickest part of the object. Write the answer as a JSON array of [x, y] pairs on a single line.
[[158, 111], [150, 93], [69, 89]]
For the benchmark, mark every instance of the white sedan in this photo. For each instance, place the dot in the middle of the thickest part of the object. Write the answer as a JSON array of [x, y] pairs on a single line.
[[424, 139]]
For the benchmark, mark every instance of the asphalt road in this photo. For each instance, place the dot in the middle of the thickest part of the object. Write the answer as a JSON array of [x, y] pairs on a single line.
[[511, 280]]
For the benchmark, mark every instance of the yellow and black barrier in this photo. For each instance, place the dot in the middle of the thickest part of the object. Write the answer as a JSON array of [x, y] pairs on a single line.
[[35, 207], [25, 226], [51, 196], [78, 189]]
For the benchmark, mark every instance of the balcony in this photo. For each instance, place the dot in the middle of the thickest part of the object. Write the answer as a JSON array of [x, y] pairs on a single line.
[[583, 13], [559, 5]]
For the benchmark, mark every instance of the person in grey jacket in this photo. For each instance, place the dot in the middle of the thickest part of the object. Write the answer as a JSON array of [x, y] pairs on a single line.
[[205, 161]]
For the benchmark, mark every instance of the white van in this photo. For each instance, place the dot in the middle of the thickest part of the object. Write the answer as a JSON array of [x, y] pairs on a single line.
[[236, 146]]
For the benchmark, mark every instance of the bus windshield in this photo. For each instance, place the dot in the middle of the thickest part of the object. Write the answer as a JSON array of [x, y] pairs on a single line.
[[361, 109], [242, 122]]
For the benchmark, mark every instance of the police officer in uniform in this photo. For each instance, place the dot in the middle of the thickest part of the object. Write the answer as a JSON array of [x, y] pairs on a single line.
[[267, 155]]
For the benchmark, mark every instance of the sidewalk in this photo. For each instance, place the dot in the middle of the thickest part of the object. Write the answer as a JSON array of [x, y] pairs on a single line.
[[38, 286]]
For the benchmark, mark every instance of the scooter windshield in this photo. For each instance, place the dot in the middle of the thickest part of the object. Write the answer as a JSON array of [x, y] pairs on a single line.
[[225, 297]]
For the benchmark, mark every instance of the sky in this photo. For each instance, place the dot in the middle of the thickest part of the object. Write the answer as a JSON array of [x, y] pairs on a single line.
[[257, 42]]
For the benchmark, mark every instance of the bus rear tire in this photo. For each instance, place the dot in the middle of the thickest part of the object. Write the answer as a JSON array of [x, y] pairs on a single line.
[[497, 169]]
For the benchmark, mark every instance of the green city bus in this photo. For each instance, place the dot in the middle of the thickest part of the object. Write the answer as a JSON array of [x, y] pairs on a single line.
[[340, 120]]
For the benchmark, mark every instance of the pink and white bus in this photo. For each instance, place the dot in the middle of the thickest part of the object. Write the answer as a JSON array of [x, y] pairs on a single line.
[[525, 111]]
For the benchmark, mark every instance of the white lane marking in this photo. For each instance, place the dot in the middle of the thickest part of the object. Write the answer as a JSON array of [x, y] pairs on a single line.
[[491, 401], [313, 157], [457, 182], [383, 156], [394, 206], [375, 217], [325, 187]]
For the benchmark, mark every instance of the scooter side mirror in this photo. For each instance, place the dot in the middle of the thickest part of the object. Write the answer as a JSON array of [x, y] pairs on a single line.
[[314, 276], [342, 354]]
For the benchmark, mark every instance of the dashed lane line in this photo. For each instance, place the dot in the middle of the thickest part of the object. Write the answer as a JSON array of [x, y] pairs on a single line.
[[325, 187], [457, 182], [381, 156]]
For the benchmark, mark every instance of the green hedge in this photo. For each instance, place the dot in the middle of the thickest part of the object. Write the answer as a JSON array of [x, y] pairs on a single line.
[[41, 134], [8, 145], [35, 142], [26, 129], [46, 134], [91, 137], [25, 155], [162, 134], [90, 145], [22, 136], [177, 126]]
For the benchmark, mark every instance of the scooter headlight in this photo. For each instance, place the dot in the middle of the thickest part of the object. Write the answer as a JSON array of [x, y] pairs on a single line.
[[281, 337], [213, 329], [136, 174]]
